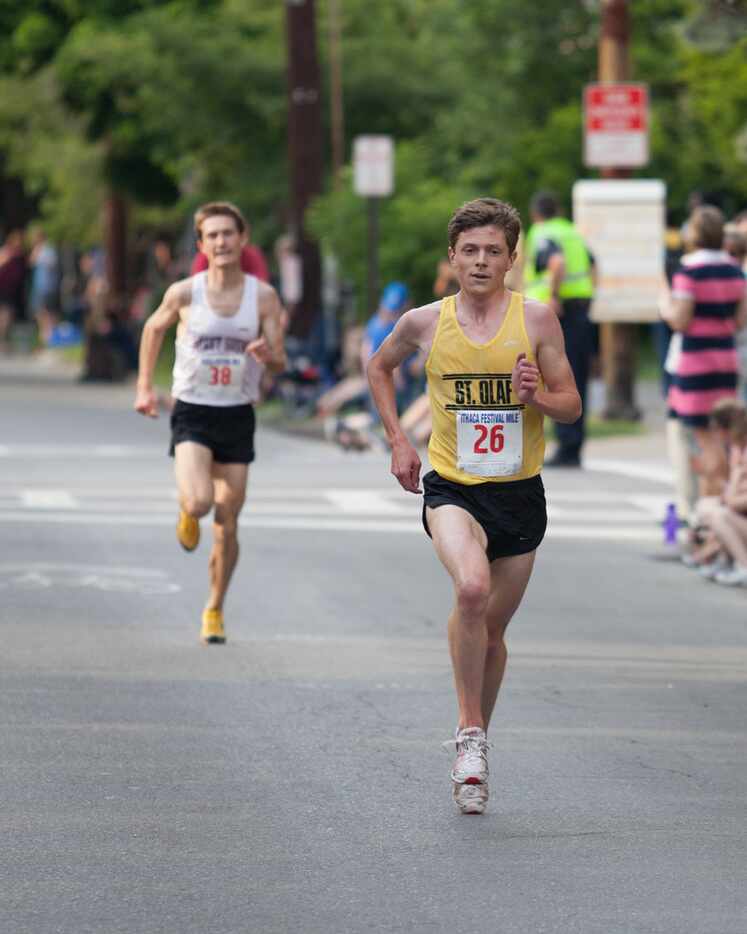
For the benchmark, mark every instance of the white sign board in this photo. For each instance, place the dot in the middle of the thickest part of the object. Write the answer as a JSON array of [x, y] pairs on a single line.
[[373, 166], [615, 125], [622, 222]]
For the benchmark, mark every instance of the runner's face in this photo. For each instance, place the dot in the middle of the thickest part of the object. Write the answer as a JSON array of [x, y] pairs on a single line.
[[481, 259], [221, 241]]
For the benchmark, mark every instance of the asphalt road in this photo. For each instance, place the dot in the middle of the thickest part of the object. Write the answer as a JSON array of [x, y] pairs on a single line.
[[294, 780]]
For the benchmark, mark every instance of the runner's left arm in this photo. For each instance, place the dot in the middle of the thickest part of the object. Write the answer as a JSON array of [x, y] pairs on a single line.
[[269, 348], [560, 398]]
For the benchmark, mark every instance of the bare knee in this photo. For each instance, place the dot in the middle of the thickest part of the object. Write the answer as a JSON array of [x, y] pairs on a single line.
[[226, 520], [197, 505], [472, 596]]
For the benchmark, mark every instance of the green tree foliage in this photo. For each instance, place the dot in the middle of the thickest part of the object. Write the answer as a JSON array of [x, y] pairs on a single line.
[[177, 101], [180, 100], [492, 98], [413, 222]]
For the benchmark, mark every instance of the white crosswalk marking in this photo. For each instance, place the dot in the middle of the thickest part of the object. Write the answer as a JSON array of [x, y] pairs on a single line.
[[622, 517], [365, 502], [48, 499]]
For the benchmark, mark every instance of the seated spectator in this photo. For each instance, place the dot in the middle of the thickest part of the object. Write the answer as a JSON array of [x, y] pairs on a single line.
[[393, 303], [353, 433], [735, 244], [353, 386], [712, 470], [729, 520]]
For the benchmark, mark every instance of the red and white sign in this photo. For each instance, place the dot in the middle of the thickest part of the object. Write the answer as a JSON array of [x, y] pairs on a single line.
[[615, 125]]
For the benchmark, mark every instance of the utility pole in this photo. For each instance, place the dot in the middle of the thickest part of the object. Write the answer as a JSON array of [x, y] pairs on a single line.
[[115, 237], [618, 340], [304, 151], [337, 112]]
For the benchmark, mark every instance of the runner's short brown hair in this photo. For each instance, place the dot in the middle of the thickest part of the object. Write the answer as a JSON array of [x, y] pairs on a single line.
[[218, 209], [486, 212]]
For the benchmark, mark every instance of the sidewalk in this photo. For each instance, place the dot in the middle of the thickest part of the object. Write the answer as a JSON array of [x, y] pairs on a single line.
[[645, 455]]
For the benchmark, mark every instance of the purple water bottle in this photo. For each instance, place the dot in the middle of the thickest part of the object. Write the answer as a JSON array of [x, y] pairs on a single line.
[[671, 525]]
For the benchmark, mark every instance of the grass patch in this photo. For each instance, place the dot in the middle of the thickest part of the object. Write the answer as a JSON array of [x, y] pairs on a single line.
[[597, 427], [162, 375], [647, 362], [73, 354], [612, 428]]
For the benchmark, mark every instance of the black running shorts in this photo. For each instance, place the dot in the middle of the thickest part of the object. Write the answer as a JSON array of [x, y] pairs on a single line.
[[513, 513], [227, 430]]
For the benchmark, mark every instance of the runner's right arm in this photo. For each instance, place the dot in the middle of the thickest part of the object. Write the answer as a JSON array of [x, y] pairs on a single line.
[[154, 331], [405, 339]]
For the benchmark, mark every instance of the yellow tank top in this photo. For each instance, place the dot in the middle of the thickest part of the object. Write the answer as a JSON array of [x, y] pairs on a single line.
[[480, 432]]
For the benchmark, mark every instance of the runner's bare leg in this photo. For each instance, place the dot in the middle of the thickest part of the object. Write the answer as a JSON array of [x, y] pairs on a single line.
[[508, 581], [193, 465], [460, 545], [229, 482]]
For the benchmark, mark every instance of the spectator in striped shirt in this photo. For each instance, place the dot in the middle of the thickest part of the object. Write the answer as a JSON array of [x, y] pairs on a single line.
[[707, 306]]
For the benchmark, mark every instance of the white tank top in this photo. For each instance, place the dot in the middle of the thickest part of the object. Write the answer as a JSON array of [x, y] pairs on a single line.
[[211, 367]]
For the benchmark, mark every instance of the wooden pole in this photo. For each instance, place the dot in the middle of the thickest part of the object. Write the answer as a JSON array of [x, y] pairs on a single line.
[[618, 340], [337, 112], [304, 151]]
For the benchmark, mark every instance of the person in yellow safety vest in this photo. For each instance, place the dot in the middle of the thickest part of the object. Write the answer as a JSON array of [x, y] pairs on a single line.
[[559, 271]]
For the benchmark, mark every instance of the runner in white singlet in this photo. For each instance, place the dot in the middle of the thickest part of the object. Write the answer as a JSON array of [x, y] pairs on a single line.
[[229, 328]]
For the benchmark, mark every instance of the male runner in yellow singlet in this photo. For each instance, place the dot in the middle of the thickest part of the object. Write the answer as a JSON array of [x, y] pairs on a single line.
[[229, 328], [496, 367]]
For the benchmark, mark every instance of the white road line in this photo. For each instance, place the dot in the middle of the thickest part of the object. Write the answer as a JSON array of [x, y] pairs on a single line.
[[648, 502], [654, 505], [597, 515], [48, 499], [82, 451], [364, 502], [9, 566], [353, 503], [405, 526], [658, 473]]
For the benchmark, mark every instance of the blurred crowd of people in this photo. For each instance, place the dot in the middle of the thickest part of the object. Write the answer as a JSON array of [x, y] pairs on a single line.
[[30, 284], [52, 297]]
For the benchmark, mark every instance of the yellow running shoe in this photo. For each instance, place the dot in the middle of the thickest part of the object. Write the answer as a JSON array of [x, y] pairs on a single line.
[[188, 531], [212, 632]]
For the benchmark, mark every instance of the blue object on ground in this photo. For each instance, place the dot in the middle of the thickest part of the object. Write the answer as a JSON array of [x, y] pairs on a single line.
[[65, 335], [671, 524]]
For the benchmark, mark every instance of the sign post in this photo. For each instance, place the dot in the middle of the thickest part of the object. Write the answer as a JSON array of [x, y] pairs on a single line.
[[373, 178]]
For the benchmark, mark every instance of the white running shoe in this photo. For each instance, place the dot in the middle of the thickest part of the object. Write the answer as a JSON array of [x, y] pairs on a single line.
[[735, 576], [470, 772], [471, 799]]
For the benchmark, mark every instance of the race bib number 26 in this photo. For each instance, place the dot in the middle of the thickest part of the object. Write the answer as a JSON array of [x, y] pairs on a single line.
[[490, 443]]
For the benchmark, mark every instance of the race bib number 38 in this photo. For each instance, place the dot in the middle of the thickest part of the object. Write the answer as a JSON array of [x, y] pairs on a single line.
[[490, 443], [220, 375]]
